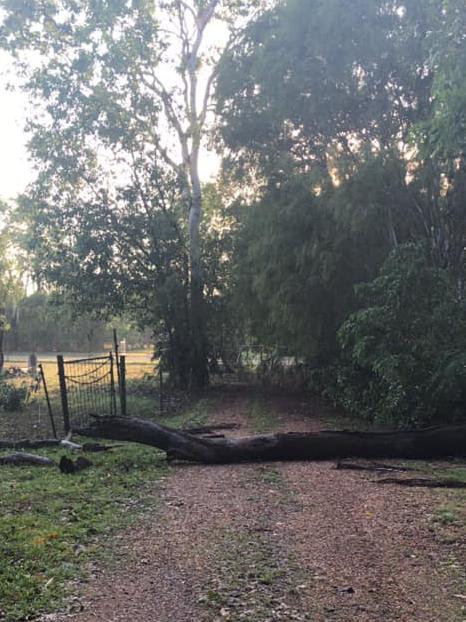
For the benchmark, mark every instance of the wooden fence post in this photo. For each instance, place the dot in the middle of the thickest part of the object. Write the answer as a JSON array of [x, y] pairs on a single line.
[[63, 393]]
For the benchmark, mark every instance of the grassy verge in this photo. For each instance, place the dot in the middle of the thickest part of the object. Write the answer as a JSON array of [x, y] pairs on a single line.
[[52, 525], [452, 511], [255, 573], [262, 417], [251, 581]]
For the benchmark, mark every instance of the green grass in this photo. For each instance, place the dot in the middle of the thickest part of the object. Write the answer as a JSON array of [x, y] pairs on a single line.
[[269, 475], [197, 415], [252, 578], [53, 524], [446, 516], [262, 418]]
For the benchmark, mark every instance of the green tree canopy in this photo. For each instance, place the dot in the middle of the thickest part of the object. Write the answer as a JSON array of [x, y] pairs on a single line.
[[123, 92]]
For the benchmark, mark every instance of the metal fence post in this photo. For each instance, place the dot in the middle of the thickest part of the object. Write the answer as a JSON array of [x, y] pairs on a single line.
[[123, 385], [47, 398], [63, 393]]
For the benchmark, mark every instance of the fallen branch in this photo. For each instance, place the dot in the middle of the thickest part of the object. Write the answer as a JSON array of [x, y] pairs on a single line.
[[29, 444], [424, 444], [423, 482], [23, 459], [370, 466], [97, 447]]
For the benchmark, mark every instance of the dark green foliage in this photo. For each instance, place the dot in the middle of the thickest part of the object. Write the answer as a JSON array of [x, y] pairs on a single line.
[[286, 272], [404, 351], [39, 323], [317, 82], [299, 252], [12, 397], [348, 116]]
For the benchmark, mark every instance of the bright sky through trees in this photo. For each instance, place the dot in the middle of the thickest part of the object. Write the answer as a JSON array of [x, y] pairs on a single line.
[[16, 170]]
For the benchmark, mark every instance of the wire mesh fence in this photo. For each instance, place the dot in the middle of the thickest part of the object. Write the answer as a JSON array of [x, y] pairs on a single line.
[[87, 388], [67, 390], [27, 414]]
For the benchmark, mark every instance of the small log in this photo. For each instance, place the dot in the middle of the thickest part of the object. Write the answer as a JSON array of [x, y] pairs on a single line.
[[423, 482], [425, 444], [24, 459]]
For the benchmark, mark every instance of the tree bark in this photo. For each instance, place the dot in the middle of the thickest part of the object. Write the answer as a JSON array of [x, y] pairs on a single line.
[[26, 443], [22, 459], [431, 443]]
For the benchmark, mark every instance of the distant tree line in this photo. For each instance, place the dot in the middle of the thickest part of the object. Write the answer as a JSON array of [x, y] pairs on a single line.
[[37, 324]]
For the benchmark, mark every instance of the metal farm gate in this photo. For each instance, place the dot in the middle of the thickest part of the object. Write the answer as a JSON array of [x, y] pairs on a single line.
[[88, 387]]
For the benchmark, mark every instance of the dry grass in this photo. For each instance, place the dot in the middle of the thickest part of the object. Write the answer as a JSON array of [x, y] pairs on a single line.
[[138, 363], [33, 421]]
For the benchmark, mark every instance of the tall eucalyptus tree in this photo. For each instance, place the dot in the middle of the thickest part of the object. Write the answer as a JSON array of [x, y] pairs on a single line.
[[123, 93]]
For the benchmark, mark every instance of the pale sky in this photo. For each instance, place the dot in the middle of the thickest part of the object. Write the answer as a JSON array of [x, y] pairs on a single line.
[[15, 171]]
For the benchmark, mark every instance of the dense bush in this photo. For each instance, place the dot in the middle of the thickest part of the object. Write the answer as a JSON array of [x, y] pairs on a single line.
[[12, 397], [404, 351]]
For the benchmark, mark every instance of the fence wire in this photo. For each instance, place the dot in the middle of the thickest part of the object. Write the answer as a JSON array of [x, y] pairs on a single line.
[[90, 389]]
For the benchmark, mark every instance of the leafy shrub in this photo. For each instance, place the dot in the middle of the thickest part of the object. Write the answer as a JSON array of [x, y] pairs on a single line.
[[12, 397], [404, 352]]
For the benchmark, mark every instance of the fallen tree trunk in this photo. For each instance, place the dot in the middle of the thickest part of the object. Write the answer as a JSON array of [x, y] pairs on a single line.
[[431, 443], [207, 429]]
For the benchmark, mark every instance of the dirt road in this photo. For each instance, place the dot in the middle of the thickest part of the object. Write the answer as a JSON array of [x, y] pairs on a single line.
[[282, 541]]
